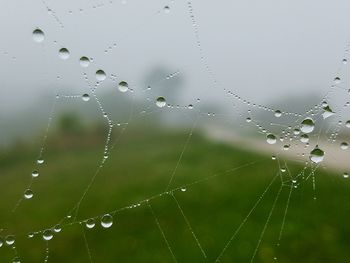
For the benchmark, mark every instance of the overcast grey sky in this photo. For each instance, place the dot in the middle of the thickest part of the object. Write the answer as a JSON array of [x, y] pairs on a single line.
[[262, 50]]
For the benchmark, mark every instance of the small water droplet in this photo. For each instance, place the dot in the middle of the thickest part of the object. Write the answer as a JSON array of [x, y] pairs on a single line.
[[35, 173], [160, 102], [307, 125], [84, 62], [337, 80], [47, 235], [10, 240], [107, 221], [183, 189], [40, 161], [123, 86], [347, 124], [28, 194], [278, 113], [345, 175], [327, 112], [345, 61], [90, 223], [316, 155], [271, 139], [57, 228], [38, 35], [63, 53], [166, 9], [1, 242], [344, 146], [100, 75], [85, 97], [304, 138]]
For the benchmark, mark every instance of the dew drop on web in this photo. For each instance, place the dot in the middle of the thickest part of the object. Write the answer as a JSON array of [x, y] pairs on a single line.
[[85, 97], [107, 221], [48, 234], [100, 75], [271, 139], [123, 86], [84, 62], [28, 194], [307, 125], [90, 223], [316, 155]]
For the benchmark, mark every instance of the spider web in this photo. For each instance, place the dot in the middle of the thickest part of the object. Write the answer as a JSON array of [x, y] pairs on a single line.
[[289, 152]]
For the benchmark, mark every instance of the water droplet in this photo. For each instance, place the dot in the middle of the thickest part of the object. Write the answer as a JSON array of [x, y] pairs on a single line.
[[344, 146], [345, 175], [307, 125], [57, 228], [10, 240], [166, 9], [84, 62], [345, 61], [304, 138], [327, 112], [30, 235], [278, 113], [123, 86], [273, 157], [316, 155], [28, 194], [296, 131], [347, 124], [248, 119], [1, 242], [337, 80], [40, 161], [107, 221], [63, 53], [271, 139], [85, 97], [183, 189], [35, 173], [38, 35], [16, 260], [100, 75], [160, 102], [47, 235], [90, 223]]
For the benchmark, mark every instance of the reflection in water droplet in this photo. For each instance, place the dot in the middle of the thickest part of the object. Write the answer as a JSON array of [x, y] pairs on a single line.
[[100, 75], [106, 221], [344, 146], [90, 223], [10, 240], [271, 139], [316, 155], [47, 235], [123, 86], [278, 113], [161, 102], [38, 35], [327, 112], [40, 161], [85, 97], [63, 53], [183, 189], [345, 175], [28, 194], [84, 62], [307, 125]]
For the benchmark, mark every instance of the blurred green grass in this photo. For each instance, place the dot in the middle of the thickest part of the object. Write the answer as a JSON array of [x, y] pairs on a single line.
[[140, 166]]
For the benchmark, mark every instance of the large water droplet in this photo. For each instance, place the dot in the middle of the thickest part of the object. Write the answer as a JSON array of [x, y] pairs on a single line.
[[63, 53], [123, 86], [307, 125], [90, 223], [48, 234], [100, 75], [84, 62], [271, 139], [316, 155], [160, 102], [107, 221], [10, 240], [85, 97], [28, 194], [38, 35]]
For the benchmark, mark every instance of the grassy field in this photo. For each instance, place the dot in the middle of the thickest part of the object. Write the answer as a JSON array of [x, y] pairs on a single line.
[[140, 166]]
